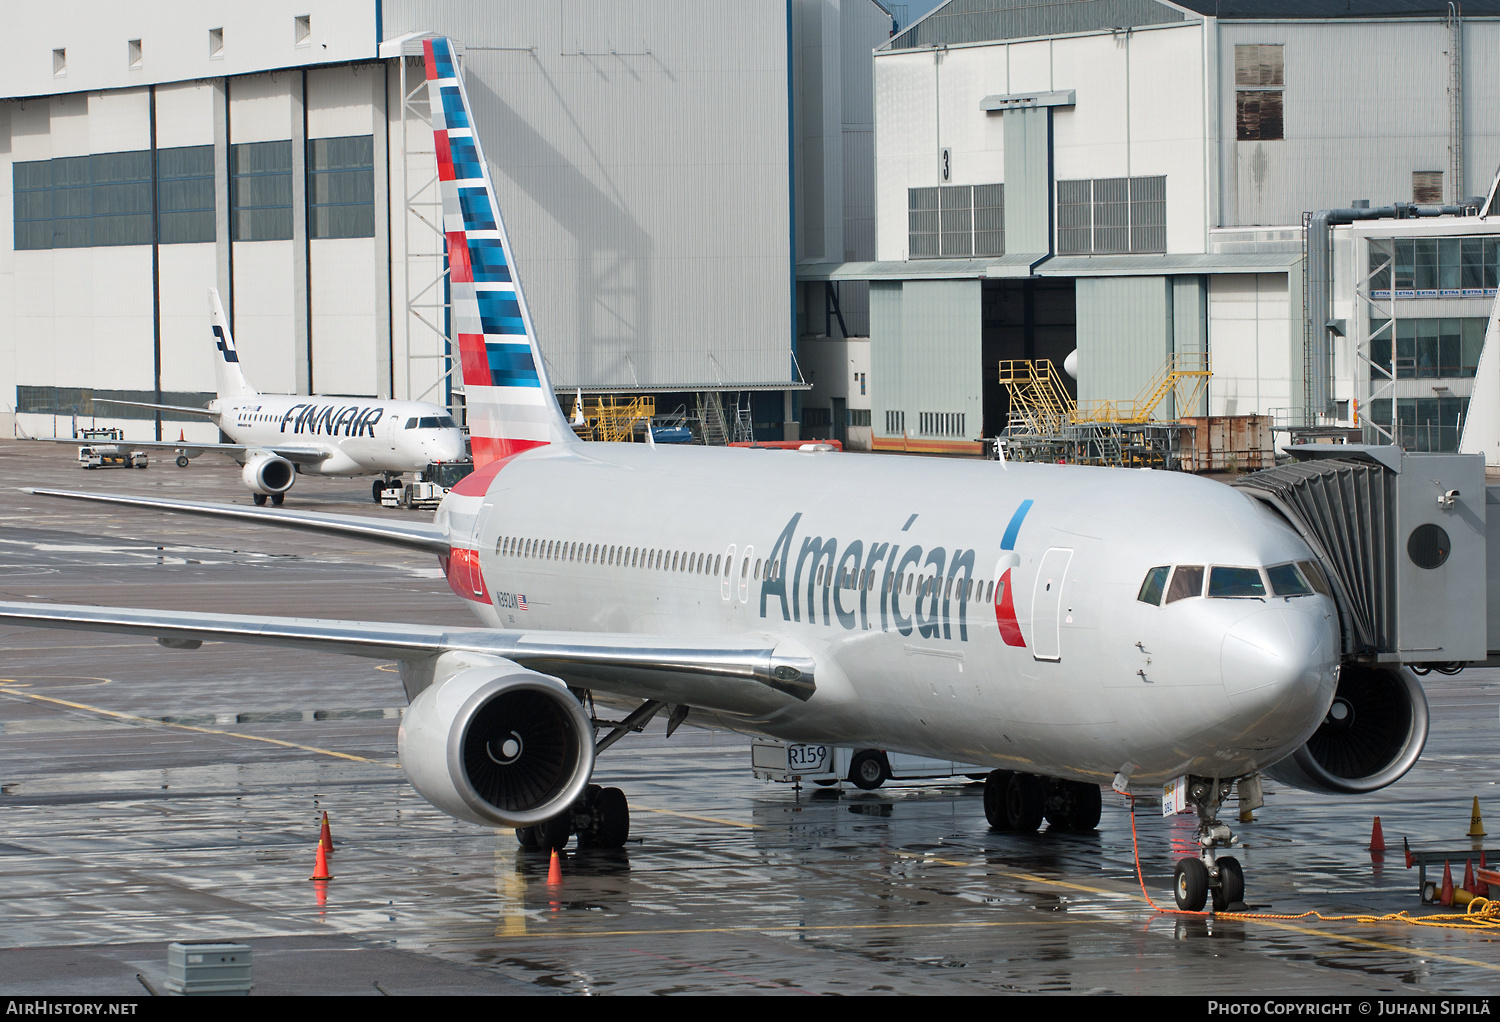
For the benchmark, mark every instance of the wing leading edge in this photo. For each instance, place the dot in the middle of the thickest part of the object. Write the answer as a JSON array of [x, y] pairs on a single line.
[[413, 535], [747, 675]]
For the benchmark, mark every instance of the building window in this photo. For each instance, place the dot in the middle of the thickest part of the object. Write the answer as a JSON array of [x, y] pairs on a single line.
[[813, 416], [32, 184], [59, 63], [1423, 423], [185, 194], [859, 416], [83, 201], [341, 187], [215, 43], [1259, 83], [955, 221], [1114, 215], [895, 423], [1428, 267], [1427, 186], [941, 423], [260, 191], [133, 53], [1429, 349], [302, 30]]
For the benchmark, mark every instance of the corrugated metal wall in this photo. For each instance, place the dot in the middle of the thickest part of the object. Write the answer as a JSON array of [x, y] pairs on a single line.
[[640, 150], [925, 352], [1028, 183], [1365, 104], [967, 21], [1124, 334]]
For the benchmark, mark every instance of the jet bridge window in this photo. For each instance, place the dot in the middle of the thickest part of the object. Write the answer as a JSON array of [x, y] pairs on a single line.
[[1286, 580], [1187, 580], [1235, 583], [1154, 585]]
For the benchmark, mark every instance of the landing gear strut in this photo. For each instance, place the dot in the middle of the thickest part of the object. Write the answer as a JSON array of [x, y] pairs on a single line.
[[601, 816], [1210, 874]]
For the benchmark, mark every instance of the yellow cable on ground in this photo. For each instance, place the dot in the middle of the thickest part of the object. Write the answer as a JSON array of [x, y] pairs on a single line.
[[1482, 915]]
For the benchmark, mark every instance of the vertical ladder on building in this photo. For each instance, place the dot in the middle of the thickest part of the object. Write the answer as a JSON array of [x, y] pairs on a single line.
[[711, 419]]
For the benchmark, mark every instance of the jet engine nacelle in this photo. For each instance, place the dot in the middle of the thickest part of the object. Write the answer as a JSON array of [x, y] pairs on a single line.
[[268, 473], [1372, 735], [497, 745]]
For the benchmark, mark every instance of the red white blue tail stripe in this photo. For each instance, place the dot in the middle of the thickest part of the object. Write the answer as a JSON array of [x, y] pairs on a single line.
[[507, 395]]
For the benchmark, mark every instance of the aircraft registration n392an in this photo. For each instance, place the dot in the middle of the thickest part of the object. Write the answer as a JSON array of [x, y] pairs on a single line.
[[1068, 626]]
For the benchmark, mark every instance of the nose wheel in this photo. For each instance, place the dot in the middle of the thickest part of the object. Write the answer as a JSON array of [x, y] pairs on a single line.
[[1210, 875]]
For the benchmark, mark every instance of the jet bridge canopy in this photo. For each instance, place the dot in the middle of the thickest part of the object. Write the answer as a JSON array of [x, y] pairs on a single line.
[[1402, 539]]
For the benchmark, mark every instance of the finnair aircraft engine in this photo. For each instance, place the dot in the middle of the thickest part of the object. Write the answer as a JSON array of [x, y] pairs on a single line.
[[1373, 734], [267, 473], [498, 746]]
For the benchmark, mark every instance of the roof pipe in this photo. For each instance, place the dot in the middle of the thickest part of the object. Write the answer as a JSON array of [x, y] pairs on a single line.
[[1317, 388]]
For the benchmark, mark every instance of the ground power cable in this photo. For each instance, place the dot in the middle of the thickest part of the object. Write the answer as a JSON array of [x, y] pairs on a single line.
[[1482, 914]]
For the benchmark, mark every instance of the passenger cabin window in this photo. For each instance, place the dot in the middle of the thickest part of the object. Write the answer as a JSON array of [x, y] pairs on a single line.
[[1286, 580], [1187, 580], [1154, 585], [1235, 583]]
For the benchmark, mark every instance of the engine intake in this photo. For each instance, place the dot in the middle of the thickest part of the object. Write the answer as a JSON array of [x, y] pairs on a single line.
[[498, 745], [1372, 735], [268, 473]]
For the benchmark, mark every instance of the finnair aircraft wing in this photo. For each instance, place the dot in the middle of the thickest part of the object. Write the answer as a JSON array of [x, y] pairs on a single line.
[[299, 454], [735, 674], [414, 535]]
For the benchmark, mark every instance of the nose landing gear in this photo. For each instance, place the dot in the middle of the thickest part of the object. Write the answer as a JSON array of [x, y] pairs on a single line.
[[1211, 874]]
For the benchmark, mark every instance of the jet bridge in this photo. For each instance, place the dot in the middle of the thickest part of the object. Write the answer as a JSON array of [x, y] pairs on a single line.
[[1405, 543]]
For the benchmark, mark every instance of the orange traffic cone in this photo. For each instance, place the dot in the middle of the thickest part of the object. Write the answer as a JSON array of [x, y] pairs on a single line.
[[326, 836], [181, 436], [1445, 897], [1476, 825], [1469, 880], [320, 868], [1481, 888], [1377, 837], [554, 870]]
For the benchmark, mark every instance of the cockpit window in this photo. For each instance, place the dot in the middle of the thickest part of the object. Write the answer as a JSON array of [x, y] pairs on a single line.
[[1187, 581], [1235, 582], [446, 422], [411, 423], [1286, 580], [1156, 582], [1313, 572]]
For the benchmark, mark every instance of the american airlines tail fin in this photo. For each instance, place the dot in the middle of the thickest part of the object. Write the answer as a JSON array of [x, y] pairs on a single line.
[[507, 395], [227, 375]]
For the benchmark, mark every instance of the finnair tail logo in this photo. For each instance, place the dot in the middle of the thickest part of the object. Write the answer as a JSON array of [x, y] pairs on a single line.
[[224, 349]]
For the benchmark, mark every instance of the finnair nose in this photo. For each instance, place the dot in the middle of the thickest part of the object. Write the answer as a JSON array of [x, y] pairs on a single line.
[[1280, 663]]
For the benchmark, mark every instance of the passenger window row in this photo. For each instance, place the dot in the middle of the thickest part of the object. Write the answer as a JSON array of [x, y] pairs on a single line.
[[709, 564], [1228, 582]]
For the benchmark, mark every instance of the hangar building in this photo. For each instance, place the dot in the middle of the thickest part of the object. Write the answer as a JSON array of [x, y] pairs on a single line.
[[1131, 178], [660, 164]]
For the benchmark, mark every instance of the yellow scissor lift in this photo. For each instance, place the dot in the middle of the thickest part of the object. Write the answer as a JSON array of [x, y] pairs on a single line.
[[1046, 424]]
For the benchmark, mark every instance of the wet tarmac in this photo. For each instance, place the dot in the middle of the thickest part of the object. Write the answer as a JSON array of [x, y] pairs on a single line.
[[150, 795]]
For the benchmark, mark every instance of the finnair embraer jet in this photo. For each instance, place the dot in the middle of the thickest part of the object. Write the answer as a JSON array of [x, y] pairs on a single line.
[[276, 436], [1069, 626]]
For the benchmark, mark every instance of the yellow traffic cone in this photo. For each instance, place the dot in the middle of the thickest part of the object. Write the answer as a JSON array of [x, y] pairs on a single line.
[[1476, 825]]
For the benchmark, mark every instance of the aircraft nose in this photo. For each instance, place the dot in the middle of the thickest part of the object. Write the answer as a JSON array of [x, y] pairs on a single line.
[[1282, 661]]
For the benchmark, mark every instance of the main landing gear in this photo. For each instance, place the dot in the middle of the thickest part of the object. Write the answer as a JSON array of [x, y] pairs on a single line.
[[1019, 802], [277, 499], [601, 816], [1210, 873]]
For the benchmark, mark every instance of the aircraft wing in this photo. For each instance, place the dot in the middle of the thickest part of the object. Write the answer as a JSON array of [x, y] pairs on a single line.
[[739, 674], [185, 409], [300, 454], [413, 535]]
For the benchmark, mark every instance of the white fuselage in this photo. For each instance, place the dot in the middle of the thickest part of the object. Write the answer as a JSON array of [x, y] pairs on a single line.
[[361, 436], [1059, 669]]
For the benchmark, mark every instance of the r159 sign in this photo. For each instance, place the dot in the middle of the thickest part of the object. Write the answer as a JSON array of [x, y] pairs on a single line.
[[812, 759]]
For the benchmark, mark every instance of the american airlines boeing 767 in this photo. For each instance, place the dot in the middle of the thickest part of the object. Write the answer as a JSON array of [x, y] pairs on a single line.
[[1070, 627]]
